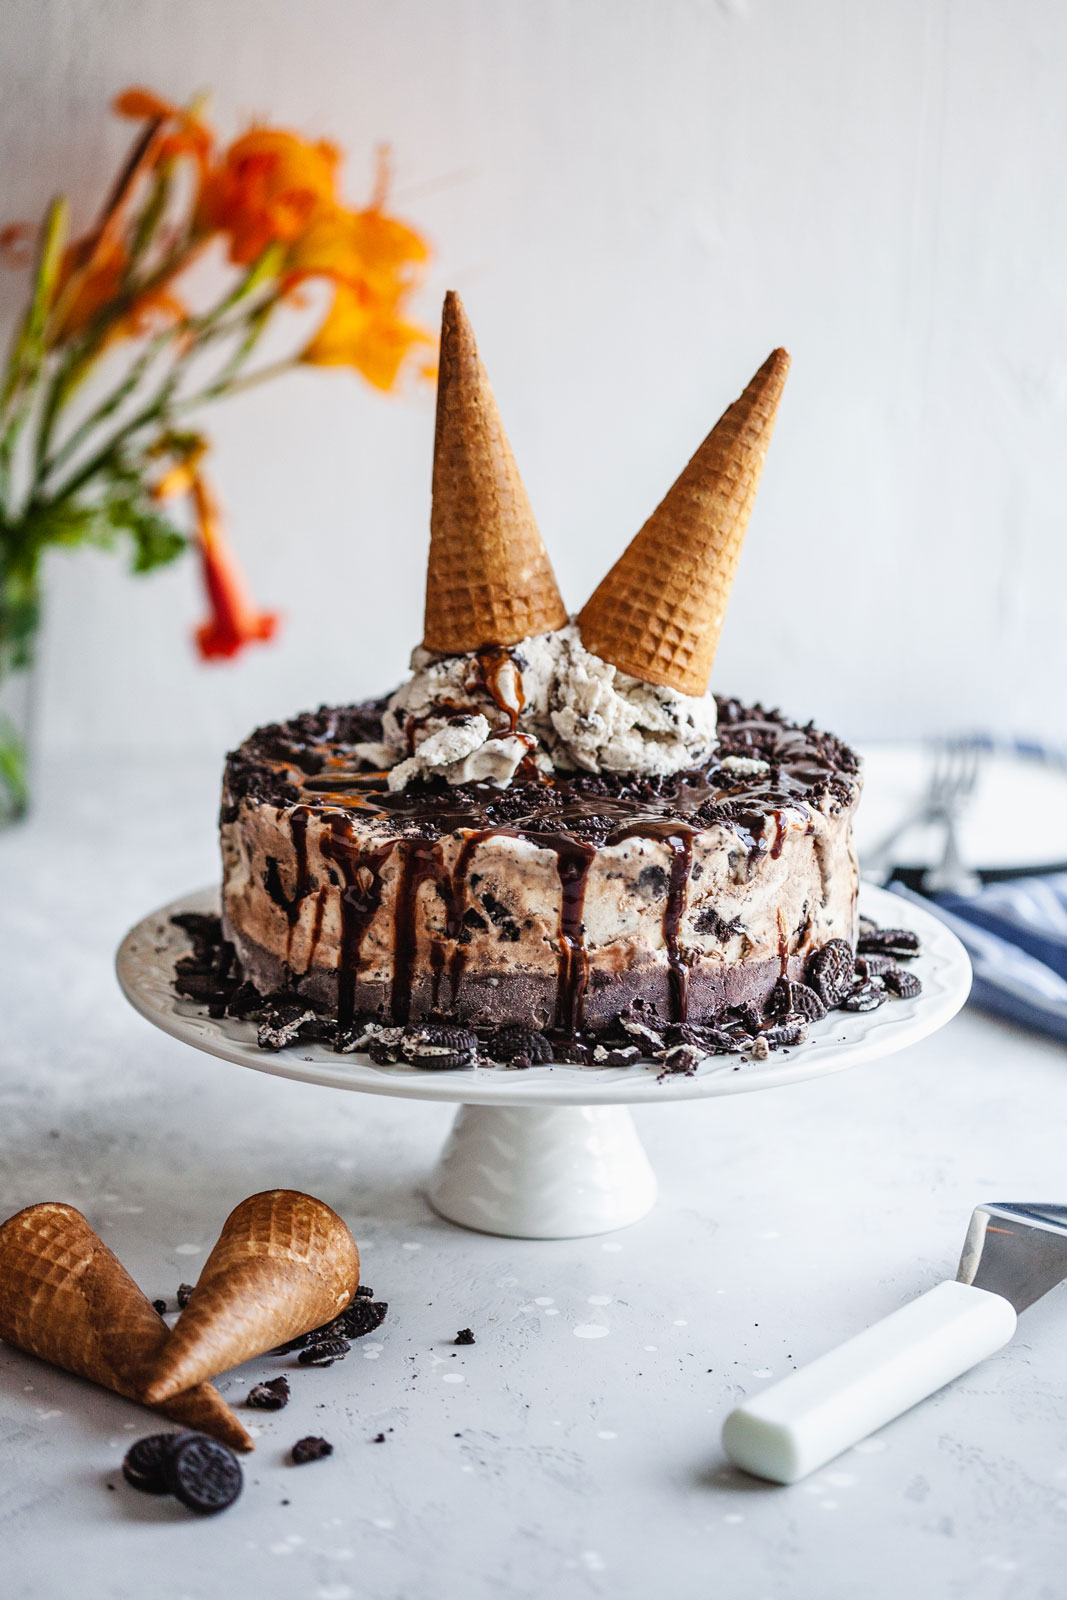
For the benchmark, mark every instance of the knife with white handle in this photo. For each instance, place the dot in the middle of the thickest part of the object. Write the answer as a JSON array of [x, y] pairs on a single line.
[[1012, 1255]]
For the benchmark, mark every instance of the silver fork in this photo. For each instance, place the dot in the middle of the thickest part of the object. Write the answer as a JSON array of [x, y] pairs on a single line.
[[957, 763], [952, 779]]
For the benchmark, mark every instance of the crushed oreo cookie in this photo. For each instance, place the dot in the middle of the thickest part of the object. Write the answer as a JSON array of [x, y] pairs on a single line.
[[269, 1396], [464, 1336], [683, 1058], [184, 1295], [835, 976], [310, 1449], [324, 1354], [902, 985], [282, 1022], [797, 997], [888, 941], [866, 997], [439, 1046]]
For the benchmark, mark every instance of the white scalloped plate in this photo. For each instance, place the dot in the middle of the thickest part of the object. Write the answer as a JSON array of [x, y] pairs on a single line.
[[145, 965]]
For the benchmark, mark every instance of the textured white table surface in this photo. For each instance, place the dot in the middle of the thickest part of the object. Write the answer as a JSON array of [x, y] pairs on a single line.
[[573, 1450]]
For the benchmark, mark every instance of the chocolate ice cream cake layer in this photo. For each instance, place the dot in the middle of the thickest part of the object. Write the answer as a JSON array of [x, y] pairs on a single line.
[[556, 902]]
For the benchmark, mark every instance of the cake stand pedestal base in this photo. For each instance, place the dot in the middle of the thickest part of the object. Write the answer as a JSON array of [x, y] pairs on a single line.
[[543, 1172]]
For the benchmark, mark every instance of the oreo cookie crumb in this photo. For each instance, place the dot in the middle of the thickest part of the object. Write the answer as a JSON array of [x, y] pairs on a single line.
[[465, 1336], [684, 1059], [282, 1023], [160, 1306], [438, 1046], [785, 1031], [572, 1053], [362, 1317], [624, 1057], [324, 1354], [379, 1438], [364, 1292], [797, 997], [203, 1474], [873, 966], [145, 1463], [902, 985], [868, 997], [649, 1040], [889, 941], [310, 1449], [184, 1295], [270, 1396]]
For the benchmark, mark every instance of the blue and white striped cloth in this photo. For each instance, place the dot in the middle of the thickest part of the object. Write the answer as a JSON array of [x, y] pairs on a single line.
[[1016, 936]]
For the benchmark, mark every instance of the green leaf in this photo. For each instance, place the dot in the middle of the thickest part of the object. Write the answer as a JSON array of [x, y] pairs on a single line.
[[30, 337]]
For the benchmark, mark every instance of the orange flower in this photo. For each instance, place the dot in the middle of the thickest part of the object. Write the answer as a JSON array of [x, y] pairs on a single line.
[[93, 271], [89, 279], [357, 247], [234, 620], [364, 333], [268, 187], [16, 243], [183, 133]]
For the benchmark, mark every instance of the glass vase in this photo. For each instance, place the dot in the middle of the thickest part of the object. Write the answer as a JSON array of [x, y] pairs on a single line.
[[17, 702]]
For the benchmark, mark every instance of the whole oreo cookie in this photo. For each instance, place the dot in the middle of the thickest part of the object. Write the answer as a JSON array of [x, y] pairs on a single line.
[[203, 1474], [831, 972], [145, 1466]]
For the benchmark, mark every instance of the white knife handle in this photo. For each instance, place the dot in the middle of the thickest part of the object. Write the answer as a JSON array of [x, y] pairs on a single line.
[[798, 1425]]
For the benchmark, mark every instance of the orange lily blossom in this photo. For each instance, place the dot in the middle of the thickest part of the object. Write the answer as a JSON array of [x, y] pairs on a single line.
[[184, 132], [234, 620], [268, 187], [364, 333]]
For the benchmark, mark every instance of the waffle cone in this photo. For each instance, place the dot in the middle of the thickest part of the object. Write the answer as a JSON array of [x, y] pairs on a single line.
[[284, 1263], [489, 579], [659, 612], [65, 1298]]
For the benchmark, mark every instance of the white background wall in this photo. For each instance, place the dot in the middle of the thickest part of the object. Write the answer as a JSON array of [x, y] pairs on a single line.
[[637, 200]]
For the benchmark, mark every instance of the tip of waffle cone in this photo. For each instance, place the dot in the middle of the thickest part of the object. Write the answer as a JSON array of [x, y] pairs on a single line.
[[284, 1263], [489, 580], [659, 612]]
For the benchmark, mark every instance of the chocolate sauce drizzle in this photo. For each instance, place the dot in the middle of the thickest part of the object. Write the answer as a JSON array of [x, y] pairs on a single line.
[[291, 904], [361, 898]]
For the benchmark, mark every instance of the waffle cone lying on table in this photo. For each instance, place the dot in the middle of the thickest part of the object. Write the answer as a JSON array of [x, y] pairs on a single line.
[[284, 1264], [65, 1298], [553, 844]]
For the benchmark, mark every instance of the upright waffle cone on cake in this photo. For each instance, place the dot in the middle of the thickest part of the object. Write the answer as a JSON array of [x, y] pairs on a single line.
[[284, 1263], [659, 612], [489, 580], [66, 1298]]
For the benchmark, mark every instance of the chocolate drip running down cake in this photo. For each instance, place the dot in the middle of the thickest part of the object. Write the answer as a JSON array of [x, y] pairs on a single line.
[[553, 826], [553, 904]]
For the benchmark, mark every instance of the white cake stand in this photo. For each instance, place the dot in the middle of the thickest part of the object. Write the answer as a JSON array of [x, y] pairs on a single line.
[[552, 1152]]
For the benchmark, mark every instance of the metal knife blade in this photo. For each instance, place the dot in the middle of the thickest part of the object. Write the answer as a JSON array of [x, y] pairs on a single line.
[[1016, 1250]]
